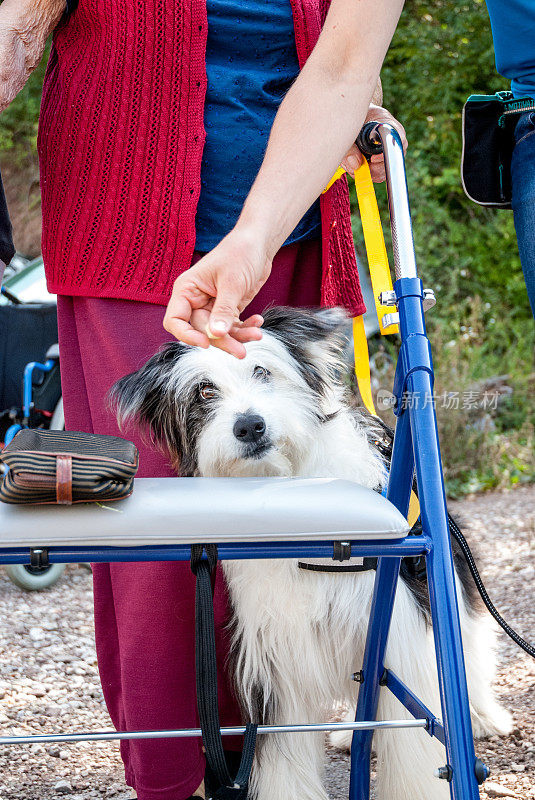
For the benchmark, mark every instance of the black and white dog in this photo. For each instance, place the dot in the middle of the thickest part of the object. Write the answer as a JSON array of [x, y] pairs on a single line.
[[299, 635]]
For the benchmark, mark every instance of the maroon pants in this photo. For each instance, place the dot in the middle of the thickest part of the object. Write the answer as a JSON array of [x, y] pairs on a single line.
[[144, 612]]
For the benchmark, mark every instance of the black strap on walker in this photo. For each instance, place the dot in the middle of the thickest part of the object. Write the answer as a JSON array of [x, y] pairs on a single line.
[[206, 682], [367, 565]]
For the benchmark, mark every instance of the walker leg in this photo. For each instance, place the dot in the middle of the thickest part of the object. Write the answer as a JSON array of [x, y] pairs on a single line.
[[415, 373], [372, 671], [399, 487], [460, 753]]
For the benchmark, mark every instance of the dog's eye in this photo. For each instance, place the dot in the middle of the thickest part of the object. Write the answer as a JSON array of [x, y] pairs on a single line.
[[261, 373], [207, 391]]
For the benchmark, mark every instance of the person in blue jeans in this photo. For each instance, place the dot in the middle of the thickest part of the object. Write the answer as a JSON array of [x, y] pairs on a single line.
[[523, 180], [513, 31]]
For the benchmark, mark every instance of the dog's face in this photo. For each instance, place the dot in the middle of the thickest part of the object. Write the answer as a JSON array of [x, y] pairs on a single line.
[[220, 416]]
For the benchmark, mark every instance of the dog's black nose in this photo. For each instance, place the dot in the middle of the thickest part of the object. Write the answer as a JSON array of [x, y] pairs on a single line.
[[249, 428]]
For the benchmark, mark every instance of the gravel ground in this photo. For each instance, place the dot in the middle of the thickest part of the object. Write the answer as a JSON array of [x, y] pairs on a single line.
[[48, 673]]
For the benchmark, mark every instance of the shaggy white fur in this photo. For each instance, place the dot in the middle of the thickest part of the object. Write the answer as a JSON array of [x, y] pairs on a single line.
[[298, 635]]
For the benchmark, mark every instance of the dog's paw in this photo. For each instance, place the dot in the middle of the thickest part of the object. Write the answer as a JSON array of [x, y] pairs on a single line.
[[496, 722], [341, 740]]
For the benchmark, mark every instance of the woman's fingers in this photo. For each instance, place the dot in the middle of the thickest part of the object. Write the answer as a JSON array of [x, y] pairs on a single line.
[[207, 299], [354, 157], [352, 160], [245, 335], [186, 333], [249, 330], [242, 332], [256, 321], [178, 321], [230, 345], [377, 169], [226, 306], [194, 331]]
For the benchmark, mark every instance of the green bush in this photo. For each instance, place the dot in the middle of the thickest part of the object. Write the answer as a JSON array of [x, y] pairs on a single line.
[[441, 53], [482, 325]]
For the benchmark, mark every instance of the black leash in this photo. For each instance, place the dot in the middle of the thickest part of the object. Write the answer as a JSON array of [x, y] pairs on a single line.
[[457, 534], [206, 682]]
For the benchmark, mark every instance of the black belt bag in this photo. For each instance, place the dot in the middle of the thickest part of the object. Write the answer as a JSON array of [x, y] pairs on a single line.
[[489, 123]]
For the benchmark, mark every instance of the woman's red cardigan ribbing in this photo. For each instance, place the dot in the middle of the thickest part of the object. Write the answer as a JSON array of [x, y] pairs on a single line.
[[120, 144]]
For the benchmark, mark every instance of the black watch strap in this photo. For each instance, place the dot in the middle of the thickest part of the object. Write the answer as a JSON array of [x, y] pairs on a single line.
[[7, 250]]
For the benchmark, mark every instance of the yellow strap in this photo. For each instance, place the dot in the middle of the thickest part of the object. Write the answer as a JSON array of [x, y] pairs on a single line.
[[338, 174], [414, 509], [362, 371], [381, 281], [375, 243], [373, 240], [362, 364]]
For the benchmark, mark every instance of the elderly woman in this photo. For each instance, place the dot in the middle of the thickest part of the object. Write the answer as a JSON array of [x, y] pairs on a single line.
[[154, 124]]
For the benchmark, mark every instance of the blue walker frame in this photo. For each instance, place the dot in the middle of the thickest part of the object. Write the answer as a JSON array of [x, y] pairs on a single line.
[[416, 447]]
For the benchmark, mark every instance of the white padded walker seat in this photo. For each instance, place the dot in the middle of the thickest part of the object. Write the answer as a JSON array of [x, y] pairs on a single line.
[[222, 510]]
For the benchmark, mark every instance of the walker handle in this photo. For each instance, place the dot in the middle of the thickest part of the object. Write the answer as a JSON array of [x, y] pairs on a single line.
[[368, 141], [398, 202]]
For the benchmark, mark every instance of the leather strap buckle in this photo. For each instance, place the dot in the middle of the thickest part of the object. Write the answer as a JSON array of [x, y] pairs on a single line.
[[64, 480]]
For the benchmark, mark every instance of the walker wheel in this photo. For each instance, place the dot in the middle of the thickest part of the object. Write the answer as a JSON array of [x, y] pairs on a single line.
[[34, 578]]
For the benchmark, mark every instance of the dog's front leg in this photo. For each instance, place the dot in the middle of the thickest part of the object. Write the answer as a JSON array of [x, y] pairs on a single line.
[[289, 765], [279, 660]]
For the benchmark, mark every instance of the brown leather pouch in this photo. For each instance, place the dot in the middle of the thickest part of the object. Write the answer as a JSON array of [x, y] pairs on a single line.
[[67, 467]]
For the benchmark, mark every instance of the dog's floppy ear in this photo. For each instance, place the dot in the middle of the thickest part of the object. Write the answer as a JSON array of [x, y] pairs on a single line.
[[315, 337], [142, 398]]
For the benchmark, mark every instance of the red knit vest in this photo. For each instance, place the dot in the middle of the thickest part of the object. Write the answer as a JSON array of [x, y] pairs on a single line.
[[120, 143]]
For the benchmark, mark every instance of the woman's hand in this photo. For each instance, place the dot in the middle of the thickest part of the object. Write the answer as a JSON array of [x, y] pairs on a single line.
[[208, 298], [355, 158], [24, 28], [313, 129]]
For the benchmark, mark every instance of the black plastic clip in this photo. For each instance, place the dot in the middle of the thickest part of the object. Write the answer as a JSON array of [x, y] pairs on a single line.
[[39, 558], [341, 551]]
